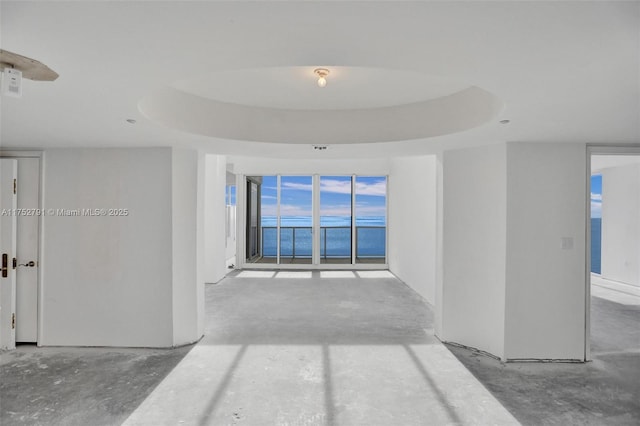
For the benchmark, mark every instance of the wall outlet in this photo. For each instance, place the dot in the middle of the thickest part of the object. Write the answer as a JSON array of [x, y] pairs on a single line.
[[567, 243]]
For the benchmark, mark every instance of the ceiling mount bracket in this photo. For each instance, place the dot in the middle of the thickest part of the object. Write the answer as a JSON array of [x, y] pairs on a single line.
[[30, 68]]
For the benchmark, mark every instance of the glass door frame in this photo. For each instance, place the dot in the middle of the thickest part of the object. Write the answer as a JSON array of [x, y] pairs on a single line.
[[316, 261]]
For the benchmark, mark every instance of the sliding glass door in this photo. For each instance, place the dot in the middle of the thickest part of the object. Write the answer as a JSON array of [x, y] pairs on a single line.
[[296, 219], [336, 219], [371, 219], [316, 220]]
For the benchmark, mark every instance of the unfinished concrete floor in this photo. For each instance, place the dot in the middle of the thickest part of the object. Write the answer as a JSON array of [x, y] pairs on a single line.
[[321, 348], [79, 386], [318, 348], [605, 391]]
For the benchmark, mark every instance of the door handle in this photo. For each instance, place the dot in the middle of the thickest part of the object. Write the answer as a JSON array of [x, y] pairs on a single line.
[[29, 264], [5, 265]]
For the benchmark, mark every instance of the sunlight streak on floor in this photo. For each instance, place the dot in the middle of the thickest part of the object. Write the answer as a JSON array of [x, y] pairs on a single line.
[[255, 274], [294, 274], [337, 274]]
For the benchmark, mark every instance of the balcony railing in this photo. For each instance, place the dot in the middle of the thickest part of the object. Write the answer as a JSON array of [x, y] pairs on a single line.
[[335, 241]]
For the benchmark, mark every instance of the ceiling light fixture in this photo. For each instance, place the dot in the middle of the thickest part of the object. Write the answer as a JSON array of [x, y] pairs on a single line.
[[322, 73]]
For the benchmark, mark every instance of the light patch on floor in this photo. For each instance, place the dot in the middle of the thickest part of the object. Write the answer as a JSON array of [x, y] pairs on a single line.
[[340, 351], [625, 294], [614, 296], [255, 274], [375, 274], [337, 274], [294, 274], [320, 385]]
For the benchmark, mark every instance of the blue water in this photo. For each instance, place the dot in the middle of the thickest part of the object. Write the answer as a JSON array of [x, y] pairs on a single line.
[[335, 236], [596, 237]]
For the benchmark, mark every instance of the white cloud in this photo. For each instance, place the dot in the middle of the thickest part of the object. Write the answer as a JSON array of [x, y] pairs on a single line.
[[295, 185], [285, 210], [335, 186], [596, 205], [377, 188], [341, 210]]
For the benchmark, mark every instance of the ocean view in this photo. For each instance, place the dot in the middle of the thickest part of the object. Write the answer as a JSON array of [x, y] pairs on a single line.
[[335, 236]]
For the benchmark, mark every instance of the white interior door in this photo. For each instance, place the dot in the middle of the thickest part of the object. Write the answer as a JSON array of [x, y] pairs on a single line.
[[8, 229], [27, 250]]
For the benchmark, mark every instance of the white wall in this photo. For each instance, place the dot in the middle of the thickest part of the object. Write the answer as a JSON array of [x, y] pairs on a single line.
[[439, 291], [474, 247], [230, 249], [412, 223], [128, 280], [187, 291], [509, 285], [215, 213], [621, 224], [200, 241], [545, 298], [107, 280]]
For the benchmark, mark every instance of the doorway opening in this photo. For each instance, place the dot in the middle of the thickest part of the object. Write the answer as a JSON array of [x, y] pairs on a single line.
[[21, 217], [230, 220], [613, 301]]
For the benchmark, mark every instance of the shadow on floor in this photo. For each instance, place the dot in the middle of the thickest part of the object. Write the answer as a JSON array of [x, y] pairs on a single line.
[[79, 386], [603, 392], [318, 348]]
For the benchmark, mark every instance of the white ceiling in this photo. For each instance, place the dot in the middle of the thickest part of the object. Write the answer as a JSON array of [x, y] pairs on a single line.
[[296, 87], [566, 71], [600, 162]]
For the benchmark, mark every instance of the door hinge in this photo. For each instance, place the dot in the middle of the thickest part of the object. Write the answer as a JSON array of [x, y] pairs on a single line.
[[13, 321], [15, 186]]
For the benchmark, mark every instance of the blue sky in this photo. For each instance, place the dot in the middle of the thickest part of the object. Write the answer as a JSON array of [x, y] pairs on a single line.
[[335, 196], [596, 196]]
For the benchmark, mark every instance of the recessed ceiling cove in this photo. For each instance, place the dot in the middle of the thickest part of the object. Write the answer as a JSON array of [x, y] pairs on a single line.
[[285, 105]]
